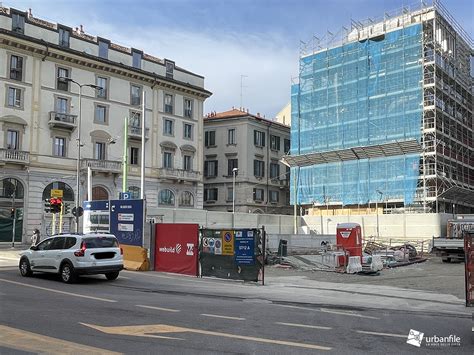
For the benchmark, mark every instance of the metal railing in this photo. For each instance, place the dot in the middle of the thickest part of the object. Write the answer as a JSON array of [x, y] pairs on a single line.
[[179, 174], [62, 117], [137, 131], [102, 165], [15, 156]]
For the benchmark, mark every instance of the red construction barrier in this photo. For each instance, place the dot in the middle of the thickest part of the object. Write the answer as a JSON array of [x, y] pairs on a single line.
[[176, 248]]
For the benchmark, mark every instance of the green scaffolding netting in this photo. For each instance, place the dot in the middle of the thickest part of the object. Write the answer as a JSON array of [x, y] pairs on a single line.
[[359, 94]]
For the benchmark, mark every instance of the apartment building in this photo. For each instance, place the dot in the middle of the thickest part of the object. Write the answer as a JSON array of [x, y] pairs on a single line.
[[55, 80], [248, 148], [383, 113]]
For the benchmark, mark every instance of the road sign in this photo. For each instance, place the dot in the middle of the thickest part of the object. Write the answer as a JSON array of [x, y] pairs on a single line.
[[56, 193], [227, 242], [244, 247], [126, 221], [218, 246], [125, 195]]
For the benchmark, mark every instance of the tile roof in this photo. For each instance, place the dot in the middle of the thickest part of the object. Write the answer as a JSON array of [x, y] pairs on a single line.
[[236, 113]]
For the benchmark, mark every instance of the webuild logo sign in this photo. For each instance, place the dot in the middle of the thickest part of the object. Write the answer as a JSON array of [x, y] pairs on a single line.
[[174, 248]]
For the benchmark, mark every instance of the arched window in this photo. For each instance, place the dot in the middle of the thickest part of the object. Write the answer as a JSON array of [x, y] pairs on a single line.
[[186, 198], [68, 193], [10, 187], [258, 211], [99, 193], [166, 197], [135, 192]]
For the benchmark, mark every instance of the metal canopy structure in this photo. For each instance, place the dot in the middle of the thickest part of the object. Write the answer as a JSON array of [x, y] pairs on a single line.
[[459, 195], [362, 152]]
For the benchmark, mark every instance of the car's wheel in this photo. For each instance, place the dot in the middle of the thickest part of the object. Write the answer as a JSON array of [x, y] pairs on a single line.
[[112, 275], [67, 273], [25, 269]]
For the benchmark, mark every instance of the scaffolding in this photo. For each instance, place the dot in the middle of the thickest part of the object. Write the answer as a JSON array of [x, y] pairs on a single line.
[[401, 81]]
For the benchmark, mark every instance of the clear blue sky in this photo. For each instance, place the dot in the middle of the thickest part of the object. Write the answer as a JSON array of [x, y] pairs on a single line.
[[224, 39]]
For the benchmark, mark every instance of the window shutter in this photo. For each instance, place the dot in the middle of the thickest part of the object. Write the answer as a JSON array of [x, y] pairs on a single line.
[[206, 139], [255, 137], [205, 168]]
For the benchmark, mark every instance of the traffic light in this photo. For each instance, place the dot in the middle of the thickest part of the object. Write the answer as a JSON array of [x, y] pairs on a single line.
[[47, 206], [66, 208], [55, 204], [12, 213]]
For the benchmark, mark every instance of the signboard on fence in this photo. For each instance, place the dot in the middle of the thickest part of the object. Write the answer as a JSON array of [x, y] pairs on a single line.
[[126, 221], [244, 247], [227, 242], [176, 248]]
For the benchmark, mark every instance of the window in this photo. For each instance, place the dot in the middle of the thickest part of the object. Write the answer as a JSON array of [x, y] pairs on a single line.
[[16, 68], [210, 168], [258, 194], [135, 191], [58, 243], [259, 168], [274, 170], [102, 82], [186, 198], [168, 128], [188, 108], [135, 95], [231, 165], [136, 60], [274, 196], [188, 131], [14, 97], [169, 68], [135, 119], [63, 37], [166, 198], [46, 244], [99, 151], [61, 83], [210, 194], [286, 145], [13, 141], [188, 162], [230, 194], [231, 136], [62, 105], [259, 138], [59, 147], [167, 160], [103, 49], [168, 103], [134, 156], [210, 138], [18, 23], [100, 114], [274, 142], [287, 174], [70, 242]]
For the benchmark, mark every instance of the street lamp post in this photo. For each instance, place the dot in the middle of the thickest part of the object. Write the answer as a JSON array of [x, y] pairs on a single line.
[[327, 225], [234, 173], [78, 162], [377, 211]]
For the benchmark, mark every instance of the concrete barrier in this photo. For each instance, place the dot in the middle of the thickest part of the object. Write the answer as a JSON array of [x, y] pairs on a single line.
[[135, 258]]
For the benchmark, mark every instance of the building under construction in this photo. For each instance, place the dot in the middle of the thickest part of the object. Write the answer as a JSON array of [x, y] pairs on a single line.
[[382, 114]]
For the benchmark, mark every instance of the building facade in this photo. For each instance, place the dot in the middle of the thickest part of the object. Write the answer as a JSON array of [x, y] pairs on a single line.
[[253, 146], [55, 79], [385, 117]]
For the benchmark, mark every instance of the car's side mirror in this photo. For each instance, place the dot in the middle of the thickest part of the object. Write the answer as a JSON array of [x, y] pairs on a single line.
[[34, 247]]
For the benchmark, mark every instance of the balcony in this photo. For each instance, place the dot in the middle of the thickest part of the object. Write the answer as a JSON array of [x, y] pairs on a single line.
[[179, 174], [62, 120], [12, 156], [135, 132], [102, 166]]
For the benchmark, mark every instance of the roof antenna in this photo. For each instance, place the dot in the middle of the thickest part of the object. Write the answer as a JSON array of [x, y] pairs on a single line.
[[241, 88]]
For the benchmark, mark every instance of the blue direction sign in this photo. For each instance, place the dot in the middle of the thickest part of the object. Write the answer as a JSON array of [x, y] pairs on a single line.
[[126, 221], [125, 195], [100, 205], [244, 247]]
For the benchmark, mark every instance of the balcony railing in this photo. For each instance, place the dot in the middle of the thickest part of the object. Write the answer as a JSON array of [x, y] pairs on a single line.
[[105, 166], [14, 156], [136, 132], [62, 120], [179, 174]]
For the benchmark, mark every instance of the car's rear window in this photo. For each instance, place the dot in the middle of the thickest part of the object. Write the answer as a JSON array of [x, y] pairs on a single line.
[[101, 242]]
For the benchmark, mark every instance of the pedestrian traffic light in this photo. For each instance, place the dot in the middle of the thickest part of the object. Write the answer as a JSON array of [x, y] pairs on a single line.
[[66, 208], [47, 206], [12, 213]]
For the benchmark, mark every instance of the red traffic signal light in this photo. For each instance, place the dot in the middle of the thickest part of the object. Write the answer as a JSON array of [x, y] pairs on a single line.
[[55, 204]]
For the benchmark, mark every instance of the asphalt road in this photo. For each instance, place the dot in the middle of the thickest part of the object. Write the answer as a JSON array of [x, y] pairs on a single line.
[[156, 313]]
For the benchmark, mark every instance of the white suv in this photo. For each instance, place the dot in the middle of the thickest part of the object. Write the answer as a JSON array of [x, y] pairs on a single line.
[[71, 255]]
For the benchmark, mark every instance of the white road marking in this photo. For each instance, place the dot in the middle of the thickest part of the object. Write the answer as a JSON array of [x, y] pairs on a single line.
[[304, 326], [158, 308], [61, 292], [350, 314], [223, 317], [383, 334]]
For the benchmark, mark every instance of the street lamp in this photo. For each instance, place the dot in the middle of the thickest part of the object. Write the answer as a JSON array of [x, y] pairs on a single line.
[[327, 225], [377, 211], [234, 173], [78, 165]]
